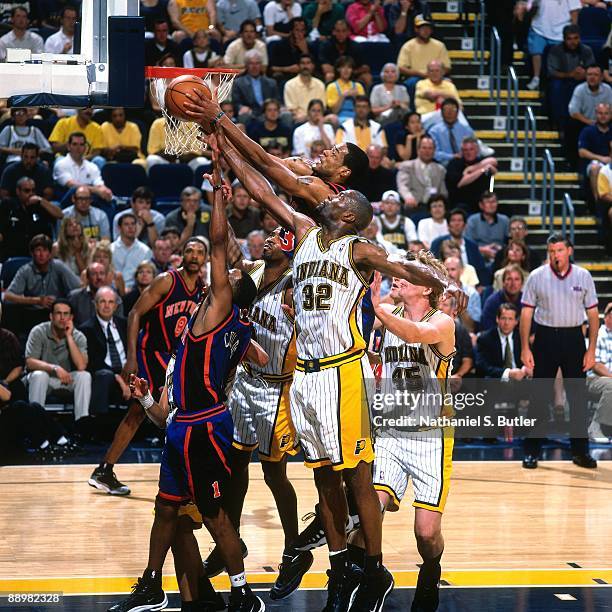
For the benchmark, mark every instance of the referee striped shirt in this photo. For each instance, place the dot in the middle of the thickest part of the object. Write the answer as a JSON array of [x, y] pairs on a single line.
[[559, 301]]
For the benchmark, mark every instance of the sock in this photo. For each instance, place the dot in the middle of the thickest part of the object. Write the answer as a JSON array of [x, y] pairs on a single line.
[[431, 570], [108, 466], [150, 575], [356, 555], [62, 441], [44, 445], [239, 580], [339, 560], [372, 563], [206, 590], [189, 606]]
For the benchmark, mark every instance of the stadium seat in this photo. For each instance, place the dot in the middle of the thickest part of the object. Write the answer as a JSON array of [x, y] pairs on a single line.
[[123, 179], [168, 180], [594, 24], [378, 55], [166, 207], [9, 269], [197, 175], [392, 132]]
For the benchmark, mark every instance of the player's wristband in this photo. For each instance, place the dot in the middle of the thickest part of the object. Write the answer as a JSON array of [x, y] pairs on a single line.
[[217, 187], [147, 401], [213, 123]]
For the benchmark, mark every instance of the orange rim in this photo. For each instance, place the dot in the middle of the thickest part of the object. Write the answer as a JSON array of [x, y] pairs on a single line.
[[171, 72]]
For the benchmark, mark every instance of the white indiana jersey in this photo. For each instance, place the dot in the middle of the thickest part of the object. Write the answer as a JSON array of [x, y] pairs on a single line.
[[421, 371], [170, 390], [274, 329], [327, 293]]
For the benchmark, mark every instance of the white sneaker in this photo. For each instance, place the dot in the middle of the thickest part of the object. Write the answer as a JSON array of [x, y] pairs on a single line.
[[534, 84], [596, 435]]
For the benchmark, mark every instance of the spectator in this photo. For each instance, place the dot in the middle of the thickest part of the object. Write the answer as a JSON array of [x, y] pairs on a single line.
[[393, 226], [418, 179], [599, 379], [161, 45], [510, 293], [547, 29], [61, 41], [267, 221], [468, 176], [75, 171], [23, 217], [604, 204], [268, 128], [342, 93], [201, 55], [471, 316], [149, 222], [518, 231], [488, 228], [418, 52], [372, 233], [82, 300], [463, 359], [255, 244], [277, 15], [31, 167], [470, 253], [173, 235], [82, 124], [408, 140], [235, 53], [315, 128], [340, 45], [321, 16], [192, 218], [127, 250], [432, 227], [162, 251], [13, 137], [153, 12], [103, 254], [588, 95], [401, 15], [317, 148], [367, 21], [189, 17], [389, 100], [145, 273], [302, 89], [232, 14], [106, 335], [285, 54], [433, 90], [72, 246], [361, 130], [451, 248], [20, 37], [566, 66], [449, 133], [594, 145], [379, 178], [516, 253], [605, 59], [94, 221], [252, 88], [56, 358], [122, 138], [241, 215]]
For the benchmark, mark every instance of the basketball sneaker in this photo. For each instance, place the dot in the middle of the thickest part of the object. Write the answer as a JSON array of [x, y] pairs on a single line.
[[291, 571], [244, 600], [373, 590], [209, 600], [104, 479], [341, 589], [147, 594], [314, 536], [214, 563], [427, 595]]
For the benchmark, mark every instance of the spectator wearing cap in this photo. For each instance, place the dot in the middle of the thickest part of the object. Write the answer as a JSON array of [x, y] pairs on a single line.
[[247, 41], [433, 90], [471, 316], [127, 250], [488, 228], [269, 128], [20, 37], [511, 293], [13, 137], [302, 89], [468, 176], [395, 227], [416, 53], [361, 130], [518, 230], [367, 21], [389, 100], [419, 179], [240, 214], [449, 133], [435, 225], [150, 223], [379, 178], [556, 296], [599, 380], [30, 166], [594, 145], [313, 129]]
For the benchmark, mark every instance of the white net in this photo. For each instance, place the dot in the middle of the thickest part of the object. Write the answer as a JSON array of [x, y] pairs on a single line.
[[182, 136]]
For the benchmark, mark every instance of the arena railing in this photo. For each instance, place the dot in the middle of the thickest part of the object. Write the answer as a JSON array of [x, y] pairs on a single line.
[[548, 189], [568, 210], [495, 69], [529, 161], [512, 106], [479, 37]]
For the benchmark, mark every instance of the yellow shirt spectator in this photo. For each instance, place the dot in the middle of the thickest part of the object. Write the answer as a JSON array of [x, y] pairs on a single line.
[[66, 125], [445, 89], [129, 136], [604, 181], [191, 15], [416, 55], [332, 94]]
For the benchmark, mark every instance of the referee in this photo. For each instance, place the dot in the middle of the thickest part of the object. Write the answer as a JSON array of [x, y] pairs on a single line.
[[556, 296]]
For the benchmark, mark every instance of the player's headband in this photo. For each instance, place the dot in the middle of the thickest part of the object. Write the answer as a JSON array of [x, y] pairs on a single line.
[[287, 242]]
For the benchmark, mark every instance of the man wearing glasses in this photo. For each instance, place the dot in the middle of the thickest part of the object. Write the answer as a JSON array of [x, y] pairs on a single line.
[[94, 220]]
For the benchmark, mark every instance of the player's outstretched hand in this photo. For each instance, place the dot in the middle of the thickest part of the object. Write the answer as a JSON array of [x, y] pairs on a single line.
[[375, 289], [200, 108], [139, 387]]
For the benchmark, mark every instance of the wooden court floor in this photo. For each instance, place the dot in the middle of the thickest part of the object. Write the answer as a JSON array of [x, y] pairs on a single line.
[[503, 526]]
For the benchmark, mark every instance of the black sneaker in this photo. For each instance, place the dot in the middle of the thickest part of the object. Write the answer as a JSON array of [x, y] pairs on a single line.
[[314, 535], [373, 590], [291, 572], [146, 595], [244, 600], [208, 599], [341, 589], [427, 595], [105, 480], [214, 563]]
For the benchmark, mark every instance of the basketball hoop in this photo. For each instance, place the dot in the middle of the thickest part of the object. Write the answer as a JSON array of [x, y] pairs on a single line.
[[182, 136]]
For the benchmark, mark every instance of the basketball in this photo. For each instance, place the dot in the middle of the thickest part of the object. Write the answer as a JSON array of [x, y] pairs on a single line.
[[175, 97]]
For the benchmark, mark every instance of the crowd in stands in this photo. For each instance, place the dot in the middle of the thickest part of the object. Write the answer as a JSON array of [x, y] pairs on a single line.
[[78, 247]]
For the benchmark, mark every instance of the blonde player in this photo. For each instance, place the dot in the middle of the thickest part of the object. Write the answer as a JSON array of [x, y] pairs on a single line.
[[329, 398], [418, 343]]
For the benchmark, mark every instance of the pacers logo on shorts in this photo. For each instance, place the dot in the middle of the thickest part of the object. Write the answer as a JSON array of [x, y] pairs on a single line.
[[285, 439], [361, 444]]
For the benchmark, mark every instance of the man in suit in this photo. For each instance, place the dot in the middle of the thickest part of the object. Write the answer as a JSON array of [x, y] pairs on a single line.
[[251, 89], [106, 336]]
